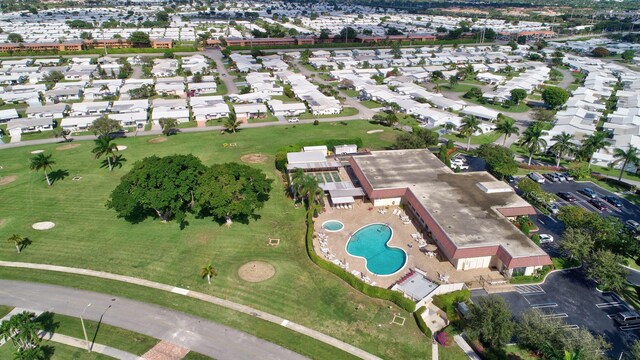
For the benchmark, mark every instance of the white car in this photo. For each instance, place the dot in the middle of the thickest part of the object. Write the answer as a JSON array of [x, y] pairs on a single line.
[[553, 208], [294, 120], [546, 238]]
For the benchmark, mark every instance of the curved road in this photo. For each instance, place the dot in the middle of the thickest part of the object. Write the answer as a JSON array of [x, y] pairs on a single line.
[[208, 338]]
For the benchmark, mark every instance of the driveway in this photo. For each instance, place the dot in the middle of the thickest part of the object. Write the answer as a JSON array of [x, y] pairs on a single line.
[[571, 297], [197, 334]]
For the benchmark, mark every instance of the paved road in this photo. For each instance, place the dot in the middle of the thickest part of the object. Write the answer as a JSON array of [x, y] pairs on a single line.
[[566, 80], [216, 55], [197, 334]]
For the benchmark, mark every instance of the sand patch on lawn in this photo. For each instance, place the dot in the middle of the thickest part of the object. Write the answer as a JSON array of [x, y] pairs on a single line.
[[68, 146], [374, 131], [43, 225], [121, 147], [7, 179], [254, 158], [158, 140], [37, 151], [256, 271]]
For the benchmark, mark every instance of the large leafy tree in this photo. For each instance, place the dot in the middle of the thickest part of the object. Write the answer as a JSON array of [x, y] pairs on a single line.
[[537, 332], [604, 268], [104, 146], [507, 127], [577, 243], [490, 321], [554, 96], [532, 139], [162, 187], [140, 39], [630, 156], [232, 191], [517, 95], [470, 124], [42, 162], [499, 160], [169, 125], [103, 126], [563, 146], [592, 144]]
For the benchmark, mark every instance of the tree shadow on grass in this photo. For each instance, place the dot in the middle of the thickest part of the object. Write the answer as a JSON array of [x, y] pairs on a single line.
[[25, 242], [116, 162], [46, 321], [58, 175]]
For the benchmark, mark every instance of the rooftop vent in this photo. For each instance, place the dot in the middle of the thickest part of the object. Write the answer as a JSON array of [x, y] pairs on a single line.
[[492, 187]]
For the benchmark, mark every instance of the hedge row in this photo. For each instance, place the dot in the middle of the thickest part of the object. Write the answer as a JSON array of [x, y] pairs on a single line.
[[100, 51], [420, 321], [372, 291], [281, 155], [613, 182], [351, 45], [540, 167]]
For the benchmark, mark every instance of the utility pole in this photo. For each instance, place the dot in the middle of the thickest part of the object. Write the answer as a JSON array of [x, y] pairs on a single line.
[[84, 330]]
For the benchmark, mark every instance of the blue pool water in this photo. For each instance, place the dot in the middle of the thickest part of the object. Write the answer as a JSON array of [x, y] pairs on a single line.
[[370, 242], [332, 225]]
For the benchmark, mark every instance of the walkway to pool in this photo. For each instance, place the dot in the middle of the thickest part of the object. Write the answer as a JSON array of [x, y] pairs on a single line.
[[363, 213]]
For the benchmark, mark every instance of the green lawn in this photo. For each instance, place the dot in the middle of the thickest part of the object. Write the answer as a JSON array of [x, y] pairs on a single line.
[[115, 337], [89, 235], [452, 352], [459, 87], [522, 107], [37, 135], [487, 138], [21, 108], [346, 111], [371, 104], [351, 92], [4, 310], [615, 172], [284, 98], [60, 352], [187, 124]]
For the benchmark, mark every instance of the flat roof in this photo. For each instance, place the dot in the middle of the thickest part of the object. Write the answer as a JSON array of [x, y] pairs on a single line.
[[417, 286], [465, 212]]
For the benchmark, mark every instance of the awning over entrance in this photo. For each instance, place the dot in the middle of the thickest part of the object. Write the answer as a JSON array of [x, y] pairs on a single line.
[[343, 200]]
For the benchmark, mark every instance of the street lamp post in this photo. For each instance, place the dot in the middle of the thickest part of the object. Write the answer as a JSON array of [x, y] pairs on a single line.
[[84, 330]]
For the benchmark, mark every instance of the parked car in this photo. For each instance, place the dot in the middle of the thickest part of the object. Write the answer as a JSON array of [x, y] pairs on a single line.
[[632, 226], [566, 196], [553, 208], [551, 177], [568, 176], [536, 177], [561, 176], [627, 318], [598, 204], [613, 201], [546, 238], [588, 192], [510, 179], [294, 120], [458, 161]]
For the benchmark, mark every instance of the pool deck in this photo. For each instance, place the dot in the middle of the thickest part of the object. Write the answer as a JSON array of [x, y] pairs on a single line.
[[364, 214]]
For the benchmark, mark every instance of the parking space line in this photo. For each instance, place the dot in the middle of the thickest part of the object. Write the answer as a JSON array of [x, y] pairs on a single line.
[[571, 327], [556, 316], [609, 304], [630, 328], [545, 305]]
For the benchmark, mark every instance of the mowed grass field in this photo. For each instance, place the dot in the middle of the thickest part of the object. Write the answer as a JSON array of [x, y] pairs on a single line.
[[89, 235]]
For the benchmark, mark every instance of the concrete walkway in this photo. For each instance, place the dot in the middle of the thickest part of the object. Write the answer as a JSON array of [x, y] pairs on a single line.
[[204, 297], [75, 342], [465, 347], [434, 350]]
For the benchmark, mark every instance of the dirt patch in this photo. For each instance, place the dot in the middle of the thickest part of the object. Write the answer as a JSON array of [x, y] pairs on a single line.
[[158, 140], [256, 271], [44, 225], [254, 158], [2, 222], [7, 179], [165, 351], [68, 146]]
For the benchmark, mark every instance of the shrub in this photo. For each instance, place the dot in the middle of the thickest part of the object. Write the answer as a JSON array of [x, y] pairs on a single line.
[[450, 144], [373, 291], [420, 321], [443, 338], [536, 239], [316, 122], [540, 167]]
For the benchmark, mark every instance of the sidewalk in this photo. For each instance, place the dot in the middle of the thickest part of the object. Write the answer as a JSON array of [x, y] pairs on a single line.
[[465, 347], [75, 342], [204, 297]]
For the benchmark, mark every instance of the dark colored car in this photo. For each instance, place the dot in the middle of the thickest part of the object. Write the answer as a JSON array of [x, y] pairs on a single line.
[[566, 196], [588, 192], [613, 201], [510, 179], [598, 204]]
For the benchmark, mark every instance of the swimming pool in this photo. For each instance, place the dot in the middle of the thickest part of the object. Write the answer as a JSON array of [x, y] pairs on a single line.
[[370, 242], [332, 225]]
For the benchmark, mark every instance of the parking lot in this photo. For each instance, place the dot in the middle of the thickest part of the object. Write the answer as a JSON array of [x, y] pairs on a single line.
[[570, 296]]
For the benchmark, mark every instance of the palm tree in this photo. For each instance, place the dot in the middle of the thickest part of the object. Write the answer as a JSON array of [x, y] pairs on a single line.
[[208, 271], [231, 124], [42, 162], [563, 145], [594, 143], [532, 139], [22, 329], [453, 80], [469, 126], [18, 241], [105, 147], [507, 127], [309, 190], [297, 178], [630, 156]]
